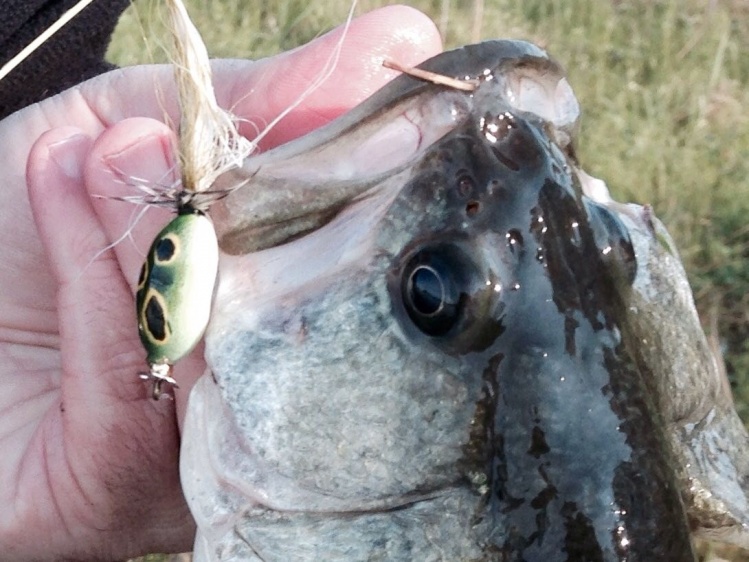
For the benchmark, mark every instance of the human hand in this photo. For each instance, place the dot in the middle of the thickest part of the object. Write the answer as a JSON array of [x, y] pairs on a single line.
[[89, 469]]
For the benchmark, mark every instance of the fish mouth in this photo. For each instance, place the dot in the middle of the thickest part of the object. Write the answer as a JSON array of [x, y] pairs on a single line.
[[300, 186]]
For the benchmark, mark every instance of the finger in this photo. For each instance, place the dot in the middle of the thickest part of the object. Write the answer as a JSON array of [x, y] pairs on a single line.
[[110, 427], [142, 149], [258, 91], [396, 32], [100, 348], [134, 154]]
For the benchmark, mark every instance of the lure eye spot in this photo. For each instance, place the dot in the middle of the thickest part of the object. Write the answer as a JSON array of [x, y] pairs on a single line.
[[154, 320], [165, 250]]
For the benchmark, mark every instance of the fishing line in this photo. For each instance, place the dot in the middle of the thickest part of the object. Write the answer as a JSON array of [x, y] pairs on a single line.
[[135, 218], [328, 68], [61, 22]]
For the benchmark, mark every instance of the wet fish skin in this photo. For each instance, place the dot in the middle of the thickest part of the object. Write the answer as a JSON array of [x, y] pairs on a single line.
[[709, 438], [576, 451]]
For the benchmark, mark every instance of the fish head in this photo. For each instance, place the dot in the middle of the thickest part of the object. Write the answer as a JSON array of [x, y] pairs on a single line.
[[422, 345]]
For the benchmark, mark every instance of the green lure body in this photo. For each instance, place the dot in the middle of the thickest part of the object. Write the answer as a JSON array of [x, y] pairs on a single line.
[[175, 290]]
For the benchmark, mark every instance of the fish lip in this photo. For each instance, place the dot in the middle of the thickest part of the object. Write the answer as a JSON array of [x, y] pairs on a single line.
[[374, 506], [515, 74]]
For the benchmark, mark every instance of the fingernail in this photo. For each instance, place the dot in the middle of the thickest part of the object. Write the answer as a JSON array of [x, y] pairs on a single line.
[[69, 154]]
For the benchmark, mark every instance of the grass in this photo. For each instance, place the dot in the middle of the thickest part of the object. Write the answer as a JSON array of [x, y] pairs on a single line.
[[664, 87]]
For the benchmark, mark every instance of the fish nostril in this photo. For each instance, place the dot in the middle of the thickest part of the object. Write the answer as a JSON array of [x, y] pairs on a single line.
[[465, 185], [472, 208]]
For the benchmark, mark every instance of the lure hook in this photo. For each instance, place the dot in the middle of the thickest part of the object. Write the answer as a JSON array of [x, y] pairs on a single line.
[[160, 375]]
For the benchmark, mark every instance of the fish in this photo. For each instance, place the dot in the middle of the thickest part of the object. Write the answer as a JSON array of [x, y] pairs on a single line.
[[436, 337]]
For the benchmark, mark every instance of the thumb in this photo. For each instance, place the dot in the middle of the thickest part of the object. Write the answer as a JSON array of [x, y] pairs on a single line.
[[258, 91], [345, 66]]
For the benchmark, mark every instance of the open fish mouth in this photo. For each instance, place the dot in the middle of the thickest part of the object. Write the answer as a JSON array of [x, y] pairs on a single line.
[[430, 342]]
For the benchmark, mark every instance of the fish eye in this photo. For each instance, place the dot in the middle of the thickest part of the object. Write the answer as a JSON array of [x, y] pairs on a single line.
[[431, 291], [449, 291], [427, 291]]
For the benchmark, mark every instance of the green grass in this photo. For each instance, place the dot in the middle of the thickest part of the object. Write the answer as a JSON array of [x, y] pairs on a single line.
[[664, 87]]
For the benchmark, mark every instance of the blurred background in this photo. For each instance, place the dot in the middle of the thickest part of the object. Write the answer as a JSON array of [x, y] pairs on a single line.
[[664, 90]]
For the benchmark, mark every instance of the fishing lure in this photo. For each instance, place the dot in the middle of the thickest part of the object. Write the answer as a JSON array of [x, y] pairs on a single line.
[[175, 291]]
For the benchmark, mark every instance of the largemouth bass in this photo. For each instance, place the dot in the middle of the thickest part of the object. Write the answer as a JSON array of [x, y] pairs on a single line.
[[436, 338]]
